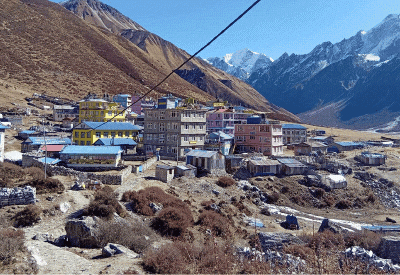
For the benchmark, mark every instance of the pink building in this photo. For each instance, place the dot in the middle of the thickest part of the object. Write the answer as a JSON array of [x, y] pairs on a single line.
[[260, 138], [224, 120]]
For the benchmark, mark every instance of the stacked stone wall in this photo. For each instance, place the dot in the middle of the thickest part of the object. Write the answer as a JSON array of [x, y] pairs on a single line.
[[148, 163], [17, 196], [389, 248]]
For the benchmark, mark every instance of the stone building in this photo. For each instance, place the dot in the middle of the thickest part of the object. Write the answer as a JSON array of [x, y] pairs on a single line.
[[61, 112], [293, 133], [174, 131]]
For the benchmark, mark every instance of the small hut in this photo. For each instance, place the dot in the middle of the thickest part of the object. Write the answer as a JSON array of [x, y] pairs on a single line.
[[368, 158], [164, 173], [187, 170], [262, 166], [206, 160]]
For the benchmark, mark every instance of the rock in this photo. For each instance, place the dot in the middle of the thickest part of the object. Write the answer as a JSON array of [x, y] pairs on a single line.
[[215, 208], [255, 189], [389, 248], [390, 220], [44, 237], [332, 226], [291, 223], [156, 207], [61, 241], [275, 241], [216, 192], [50, 198], [83, 232], [265, 211], [253, 222], [369, 257], [112, 249], [64, 207]]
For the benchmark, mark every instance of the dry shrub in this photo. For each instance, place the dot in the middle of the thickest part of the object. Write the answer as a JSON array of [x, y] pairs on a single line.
[[343, 204], [173, 221], [131, 234], [265, 211], [12, 242], [328, 200], [285, 189], [140, 201], [104, 204], [241, 207], [225, 182], [366, 239], [46, 186], [10, 172], [218, 224], [28, 216], [180, 257], [319, 193], [273, 198], [371, 198], [298, 200], [36, 173]]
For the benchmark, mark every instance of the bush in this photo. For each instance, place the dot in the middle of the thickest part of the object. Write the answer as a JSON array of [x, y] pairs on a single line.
[[273, 198], [343, 204], [104, 204], [12, 242], [225, 182], [10, 172], [319, 193], [366, 239], [36, 173], [46, 186], [265, 211], [131, 234], [173, 221], [218, 224], [28, 216]]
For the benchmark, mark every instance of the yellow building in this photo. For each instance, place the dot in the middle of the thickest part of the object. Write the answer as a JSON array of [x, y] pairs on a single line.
[[100, 110], [88, 132]]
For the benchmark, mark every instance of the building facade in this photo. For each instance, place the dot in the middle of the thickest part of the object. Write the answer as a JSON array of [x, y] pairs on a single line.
[[64, 111], [261, 138], [100, 110], [174, 131], [2, 136], [124, 100], [88, 132], [224, 120], [294, 133]]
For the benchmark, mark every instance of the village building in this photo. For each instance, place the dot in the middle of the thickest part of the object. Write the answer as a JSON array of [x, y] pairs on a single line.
[[26, 134], [219, 141], [209, 161], [68, 123], [348, 145], [327, 140], [100, 110], [224, 120], [318, 132], [233, 162], [174, 131], [91, 156], [368, 158], [124, 100], [164, 173], [61, 112], [258, 136], [128, 145], [335, 181], [263, 166], [292, 167], [2, 138], [35, 143], [88, 132], [52, 151], [187, 170], [293, 133], [306, 148]]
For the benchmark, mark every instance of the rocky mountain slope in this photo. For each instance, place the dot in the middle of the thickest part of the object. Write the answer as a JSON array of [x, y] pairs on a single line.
[[202, 75], [350, 84]]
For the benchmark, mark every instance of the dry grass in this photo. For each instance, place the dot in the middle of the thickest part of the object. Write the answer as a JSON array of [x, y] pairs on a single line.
[[12, 242], [225, 182], [104, 204], [28, 216]]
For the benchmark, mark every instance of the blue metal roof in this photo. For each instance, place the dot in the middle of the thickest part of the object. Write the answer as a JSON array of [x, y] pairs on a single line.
[[49, 160], [293, 126], [115, 141], [349, 143], [49, 140], [117, 126], [26, 132], [201, 153], [91, 150], [3, 127], [372, 155]]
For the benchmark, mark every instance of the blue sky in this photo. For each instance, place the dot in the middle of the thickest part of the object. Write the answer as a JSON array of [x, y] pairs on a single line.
[[271, 27]]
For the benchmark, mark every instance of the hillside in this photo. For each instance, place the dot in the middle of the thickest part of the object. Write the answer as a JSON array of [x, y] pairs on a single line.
[[213, 81]]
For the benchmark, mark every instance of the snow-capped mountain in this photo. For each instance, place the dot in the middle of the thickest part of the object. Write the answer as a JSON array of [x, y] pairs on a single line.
[[353, 83], [241, 63]]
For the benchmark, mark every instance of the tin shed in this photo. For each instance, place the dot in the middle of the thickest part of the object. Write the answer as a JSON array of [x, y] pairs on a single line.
[[292, 167], [262, 166], [206, 160], [164, 173]]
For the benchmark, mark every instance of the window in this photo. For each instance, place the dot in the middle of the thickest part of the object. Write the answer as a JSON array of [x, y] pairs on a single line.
[[201, 137], [186, 138], [110, 113], [82, 142], [82, 134], [87, 142], [193, 138], [88, 134], [240, 128], [162, 127], [76, 134], [127, 134], [252, 137], [149, 136], [173, 114], [149, 125], [162, 135], [187, 126], [102, 113], [105, 134], [201, 127], [112, 134], [119, 134], [175, 126]]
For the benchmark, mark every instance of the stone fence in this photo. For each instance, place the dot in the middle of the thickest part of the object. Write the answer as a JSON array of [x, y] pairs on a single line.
[[17, 196], [148, 163]]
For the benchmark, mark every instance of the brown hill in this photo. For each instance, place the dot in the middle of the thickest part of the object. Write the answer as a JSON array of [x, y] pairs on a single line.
[[46, 49]]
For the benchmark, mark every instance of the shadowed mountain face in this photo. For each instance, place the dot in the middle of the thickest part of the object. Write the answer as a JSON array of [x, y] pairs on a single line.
[[167, 57]]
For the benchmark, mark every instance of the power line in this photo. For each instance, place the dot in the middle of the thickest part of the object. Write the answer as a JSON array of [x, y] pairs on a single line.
[[186, 61]]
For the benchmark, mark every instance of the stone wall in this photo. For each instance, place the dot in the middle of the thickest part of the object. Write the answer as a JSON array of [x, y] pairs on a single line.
[[148, 163], [389, 248], [17, 196]]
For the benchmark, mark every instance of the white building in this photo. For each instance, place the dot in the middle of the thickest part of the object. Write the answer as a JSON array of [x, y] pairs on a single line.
[[2, 137]]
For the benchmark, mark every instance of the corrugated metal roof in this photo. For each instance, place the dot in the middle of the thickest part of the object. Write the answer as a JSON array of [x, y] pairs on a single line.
[[49, 140], [201, 153], [293, 126], [49, 160], [263, 161], [26, 132], [167, 167], [3, 127], [53, 148], [291, 162], [349, 143], [115, 141], [372, 155], [117, 126], [216, 135], [91, 150]]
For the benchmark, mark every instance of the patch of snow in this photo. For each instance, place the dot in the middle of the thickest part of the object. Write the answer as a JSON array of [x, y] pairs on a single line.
[[13, 155]]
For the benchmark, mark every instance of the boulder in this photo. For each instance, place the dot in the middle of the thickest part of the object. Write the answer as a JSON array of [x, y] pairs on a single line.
[[389, 248], [44, 237], [369, 257], [64, 207], [275, 241], [156, 207], [291, 223], [112, 249], [83, 232], [332, 226]]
